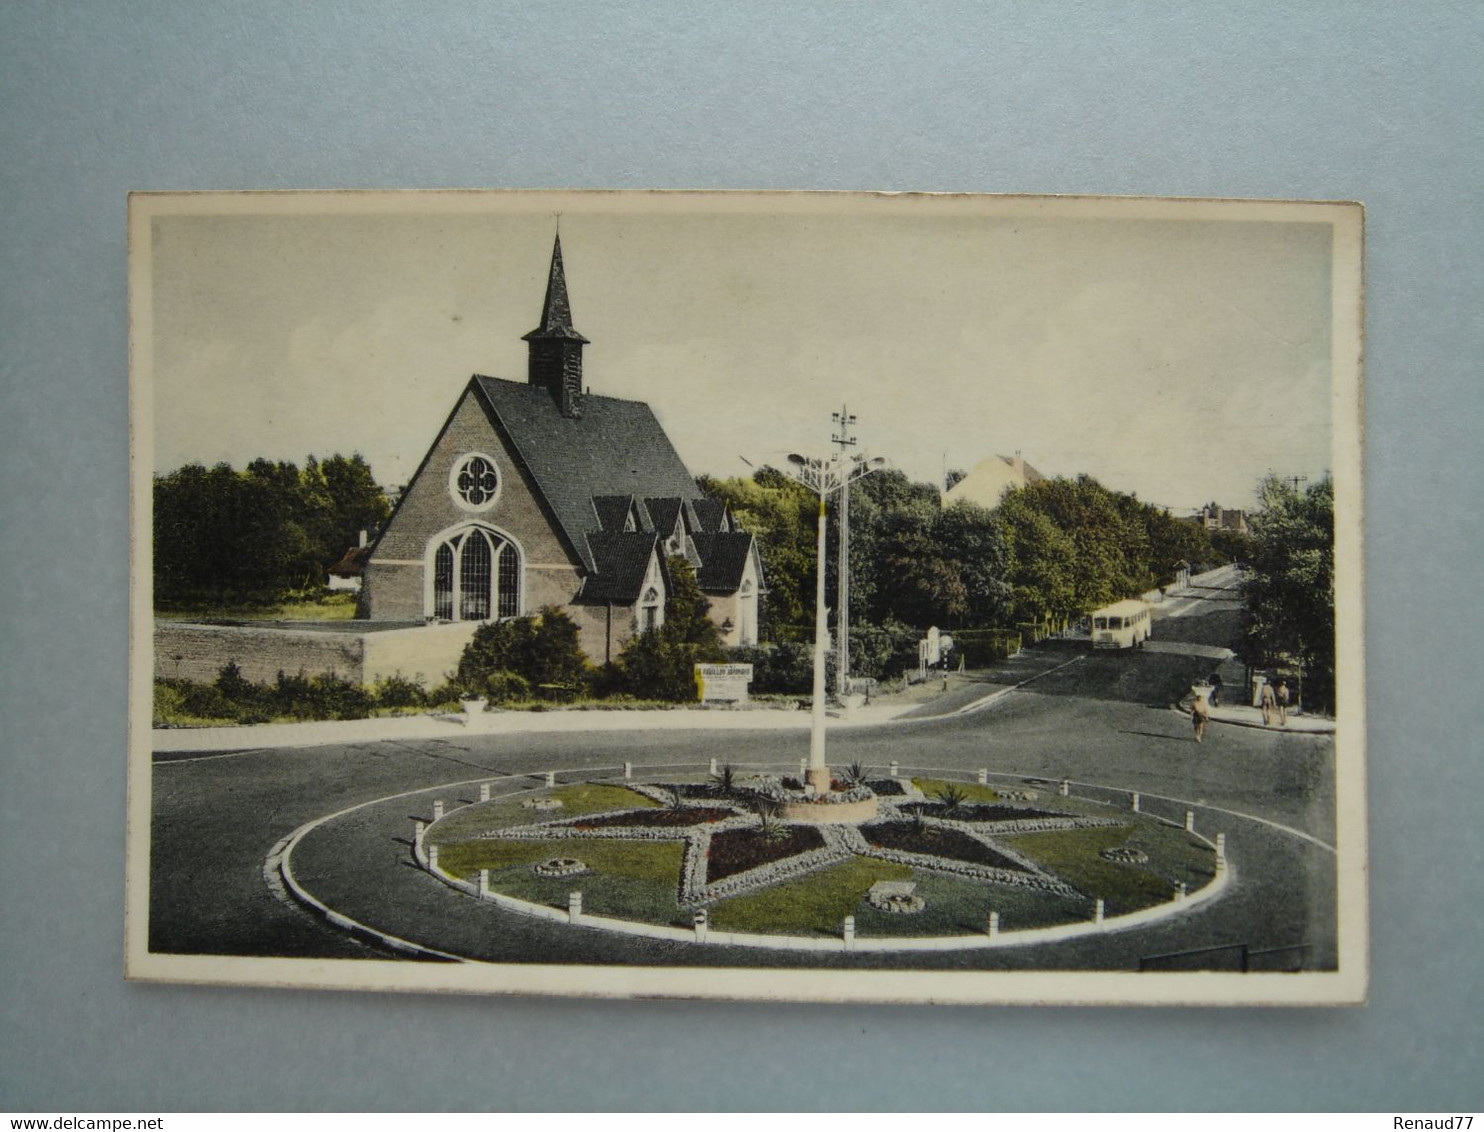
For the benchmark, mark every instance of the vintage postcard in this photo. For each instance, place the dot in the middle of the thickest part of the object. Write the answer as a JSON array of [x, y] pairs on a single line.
[[807, 596]]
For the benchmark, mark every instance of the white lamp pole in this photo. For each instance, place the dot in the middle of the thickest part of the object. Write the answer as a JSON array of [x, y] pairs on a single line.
[[824, 476]]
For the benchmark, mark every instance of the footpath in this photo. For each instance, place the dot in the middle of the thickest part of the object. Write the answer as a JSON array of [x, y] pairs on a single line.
[[1240, 715], [962, 696]]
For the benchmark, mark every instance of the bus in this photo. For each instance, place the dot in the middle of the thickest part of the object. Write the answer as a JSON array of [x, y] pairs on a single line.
[[1122, 625]]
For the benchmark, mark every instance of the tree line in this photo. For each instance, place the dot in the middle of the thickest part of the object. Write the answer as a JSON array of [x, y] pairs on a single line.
[[229, 537], [1289, 587], [1050, 551]]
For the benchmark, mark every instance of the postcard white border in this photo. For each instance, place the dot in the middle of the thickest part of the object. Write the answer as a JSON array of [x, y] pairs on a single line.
[[1347, 985]]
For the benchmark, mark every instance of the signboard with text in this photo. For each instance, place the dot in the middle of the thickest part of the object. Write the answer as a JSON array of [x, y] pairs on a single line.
[[723, 683]]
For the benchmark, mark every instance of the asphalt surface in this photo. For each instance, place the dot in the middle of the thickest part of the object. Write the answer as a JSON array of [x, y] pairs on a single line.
[[1101, 719]]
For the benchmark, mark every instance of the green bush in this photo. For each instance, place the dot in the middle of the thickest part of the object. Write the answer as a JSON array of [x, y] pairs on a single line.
[[523, 657], [320, 697], [399, 693], [786, 668]]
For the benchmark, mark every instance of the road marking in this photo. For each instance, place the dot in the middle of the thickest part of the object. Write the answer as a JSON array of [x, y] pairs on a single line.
[[985, 701]]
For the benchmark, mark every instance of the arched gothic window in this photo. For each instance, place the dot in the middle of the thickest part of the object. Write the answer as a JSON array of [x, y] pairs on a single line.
[[651, 610], [476, 577]]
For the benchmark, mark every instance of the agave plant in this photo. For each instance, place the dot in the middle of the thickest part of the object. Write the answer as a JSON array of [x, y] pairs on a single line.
[[919, 822], [726, 779], [769, 818], [676, 799], [856, 773], [952, 797]]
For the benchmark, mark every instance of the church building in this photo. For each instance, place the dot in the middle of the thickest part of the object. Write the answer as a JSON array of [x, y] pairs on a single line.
[[541, 493]]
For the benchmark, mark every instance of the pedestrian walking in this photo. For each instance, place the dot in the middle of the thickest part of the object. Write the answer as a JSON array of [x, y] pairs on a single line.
[[1269, 704], [1200, 714], [1282, 703], [1215, 689]]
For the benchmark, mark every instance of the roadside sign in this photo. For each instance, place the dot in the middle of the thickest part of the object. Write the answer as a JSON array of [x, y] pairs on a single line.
[[723, 683]]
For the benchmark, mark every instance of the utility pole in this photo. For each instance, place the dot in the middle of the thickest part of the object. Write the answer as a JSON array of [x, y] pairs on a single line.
[[844, 439], [1295, 480]]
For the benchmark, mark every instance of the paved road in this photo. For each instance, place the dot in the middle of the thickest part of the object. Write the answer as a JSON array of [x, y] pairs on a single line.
[[1100, 719]]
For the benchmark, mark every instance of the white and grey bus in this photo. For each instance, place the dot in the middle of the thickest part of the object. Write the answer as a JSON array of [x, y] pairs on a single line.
[[1122, 625]]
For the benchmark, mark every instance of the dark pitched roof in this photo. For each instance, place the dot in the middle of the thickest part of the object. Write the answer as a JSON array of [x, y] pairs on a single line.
[[723, 558], [709, 512], [663, 514], [622, 558], [352, 563], [615, 448], [556, 311], [613, 510]]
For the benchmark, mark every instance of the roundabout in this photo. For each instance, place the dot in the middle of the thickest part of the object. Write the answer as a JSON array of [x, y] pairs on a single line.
[[887, 862]]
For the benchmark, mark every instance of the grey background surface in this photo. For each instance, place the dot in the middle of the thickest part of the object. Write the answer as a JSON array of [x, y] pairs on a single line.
[[1375, 102]]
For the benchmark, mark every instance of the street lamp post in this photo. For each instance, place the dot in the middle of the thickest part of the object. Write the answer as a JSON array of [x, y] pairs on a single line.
[[844, 439], [824, 476]]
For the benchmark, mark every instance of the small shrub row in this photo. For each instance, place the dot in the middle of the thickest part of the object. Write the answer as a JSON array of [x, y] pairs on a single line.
[[232, 698]]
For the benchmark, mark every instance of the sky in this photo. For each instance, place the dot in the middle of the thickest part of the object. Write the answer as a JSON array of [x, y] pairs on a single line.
[[1178, 352]]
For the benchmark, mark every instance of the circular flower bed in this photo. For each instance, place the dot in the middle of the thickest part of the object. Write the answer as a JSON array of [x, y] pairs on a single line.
[[559, 867], [1125, 855]]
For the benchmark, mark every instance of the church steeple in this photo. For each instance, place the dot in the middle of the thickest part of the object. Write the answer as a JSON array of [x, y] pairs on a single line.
[[556, 348]]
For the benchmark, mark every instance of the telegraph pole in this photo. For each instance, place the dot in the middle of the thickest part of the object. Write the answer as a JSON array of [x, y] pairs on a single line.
[[844, 438]]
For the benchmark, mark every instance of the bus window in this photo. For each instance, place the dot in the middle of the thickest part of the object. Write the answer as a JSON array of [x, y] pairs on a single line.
[[1099, 622]]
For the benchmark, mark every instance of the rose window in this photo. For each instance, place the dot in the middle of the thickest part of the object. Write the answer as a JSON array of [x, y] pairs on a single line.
[[476, 481]]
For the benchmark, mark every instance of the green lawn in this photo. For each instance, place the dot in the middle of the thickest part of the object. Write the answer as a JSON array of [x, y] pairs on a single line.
[[1072, 855], [633, 880], [331, 607], [814, 904], [972, 791]]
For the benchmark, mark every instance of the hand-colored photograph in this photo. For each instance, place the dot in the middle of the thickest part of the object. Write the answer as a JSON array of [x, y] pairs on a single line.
[[794, 596]]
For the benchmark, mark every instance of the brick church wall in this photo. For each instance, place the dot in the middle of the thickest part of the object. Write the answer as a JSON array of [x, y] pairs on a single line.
[[394, 584]]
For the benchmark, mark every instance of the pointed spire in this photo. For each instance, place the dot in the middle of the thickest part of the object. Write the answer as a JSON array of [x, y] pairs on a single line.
[[555, 348], [556, 312]]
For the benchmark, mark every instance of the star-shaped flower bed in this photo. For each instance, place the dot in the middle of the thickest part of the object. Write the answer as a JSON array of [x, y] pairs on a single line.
[[734, 852]]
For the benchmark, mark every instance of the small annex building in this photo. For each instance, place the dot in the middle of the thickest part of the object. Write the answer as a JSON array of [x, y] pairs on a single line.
[[541, 493]]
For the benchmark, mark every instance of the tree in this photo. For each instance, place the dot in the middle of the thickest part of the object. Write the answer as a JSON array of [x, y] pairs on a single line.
[[1290, 589], [660, 663], [225, 536]]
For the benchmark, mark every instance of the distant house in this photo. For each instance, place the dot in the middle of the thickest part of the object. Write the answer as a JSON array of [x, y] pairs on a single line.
[[541, 493], [1214, 517], [987, 483], [346, 574]]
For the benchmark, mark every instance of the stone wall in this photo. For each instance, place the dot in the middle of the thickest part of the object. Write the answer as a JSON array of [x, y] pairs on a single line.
[[199, 652], [426, 653]]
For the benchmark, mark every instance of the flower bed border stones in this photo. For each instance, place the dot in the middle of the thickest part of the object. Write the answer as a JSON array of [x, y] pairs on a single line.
[[896, 903], [736, 851], [560, 867]]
